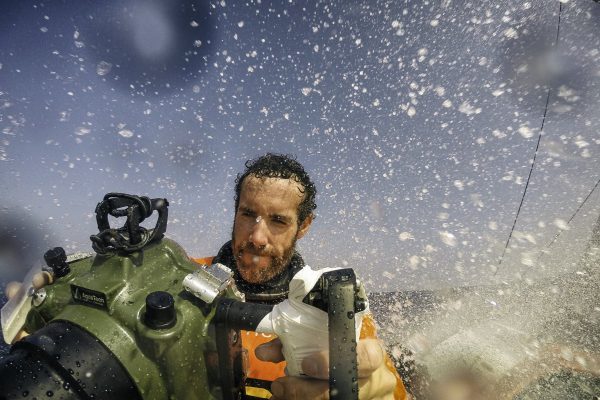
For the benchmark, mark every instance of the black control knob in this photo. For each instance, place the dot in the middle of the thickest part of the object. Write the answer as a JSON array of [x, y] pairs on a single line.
[[160, 310], [56, 259]]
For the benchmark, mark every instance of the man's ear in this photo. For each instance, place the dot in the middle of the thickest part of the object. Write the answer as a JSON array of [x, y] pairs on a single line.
[[304, 226]]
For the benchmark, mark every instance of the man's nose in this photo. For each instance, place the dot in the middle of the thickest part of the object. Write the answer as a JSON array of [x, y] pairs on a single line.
[[259, 234]]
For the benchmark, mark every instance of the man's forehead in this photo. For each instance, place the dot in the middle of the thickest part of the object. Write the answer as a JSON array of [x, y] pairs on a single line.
[[279, 193], [261, 183]]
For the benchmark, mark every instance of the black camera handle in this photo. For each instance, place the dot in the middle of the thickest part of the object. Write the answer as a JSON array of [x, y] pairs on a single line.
[[337, 293], [130, 237]]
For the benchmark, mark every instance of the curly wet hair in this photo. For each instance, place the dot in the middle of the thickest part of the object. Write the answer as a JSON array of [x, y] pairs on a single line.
[[280, 166]]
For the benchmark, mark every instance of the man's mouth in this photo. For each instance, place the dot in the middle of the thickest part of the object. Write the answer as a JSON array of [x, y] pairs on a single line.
[[251, 256]]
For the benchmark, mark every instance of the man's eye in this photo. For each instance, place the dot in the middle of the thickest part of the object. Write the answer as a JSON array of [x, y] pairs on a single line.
[[279, 221]]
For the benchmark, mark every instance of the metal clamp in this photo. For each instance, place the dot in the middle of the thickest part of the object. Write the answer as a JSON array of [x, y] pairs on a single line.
[[209, 282]]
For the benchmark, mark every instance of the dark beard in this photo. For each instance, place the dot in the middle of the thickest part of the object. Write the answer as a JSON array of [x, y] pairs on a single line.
[[272, 291], [277, 265]]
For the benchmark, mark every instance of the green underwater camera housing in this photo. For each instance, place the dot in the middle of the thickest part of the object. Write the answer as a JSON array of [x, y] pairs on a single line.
[[120, 325]]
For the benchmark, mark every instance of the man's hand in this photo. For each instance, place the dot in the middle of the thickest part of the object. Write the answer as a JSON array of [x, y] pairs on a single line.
[[375, 381], [11, 289], [39, 280]]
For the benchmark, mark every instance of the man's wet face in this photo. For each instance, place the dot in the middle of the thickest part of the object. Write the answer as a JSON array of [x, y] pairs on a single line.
[[265, 228]]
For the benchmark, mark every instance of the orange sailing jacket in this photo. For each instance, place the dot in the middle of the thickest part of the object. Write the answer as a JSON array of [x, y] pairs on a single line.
[[259, 374]]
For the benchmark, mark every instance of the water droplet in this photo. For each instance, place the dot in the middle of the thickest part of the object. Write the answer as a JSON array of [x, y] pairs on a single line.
[[103, 68], [126, 133], [82, 131], [448, 238], [49, 393]]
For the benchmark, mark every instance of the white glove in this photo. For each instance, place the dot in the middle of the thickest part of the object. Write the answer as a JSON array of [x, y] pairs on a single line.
[[302, 329]]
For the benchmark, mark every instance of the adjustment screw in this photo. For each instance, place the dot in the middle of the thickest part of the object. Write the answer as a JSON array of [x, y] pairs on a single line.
[[56, 259]]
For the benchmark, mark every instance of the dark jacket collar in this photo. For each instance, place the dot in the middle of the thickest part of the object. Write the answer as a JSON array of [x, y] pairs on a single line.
[[274, 290]]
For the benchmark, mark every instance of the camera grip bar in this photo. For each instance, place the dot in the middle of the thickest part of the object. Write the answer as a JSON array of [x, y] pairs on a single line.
[[239, 315], [343, 365]]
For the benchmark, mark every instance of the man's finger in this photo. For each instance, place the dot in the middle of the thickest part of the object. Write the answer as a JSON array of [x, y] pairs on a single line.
[[20, 335], [370, 357], [11, 289], [295, 388], [42, 279], [380, 385], [270, 351], [316, 365], [369, 354]]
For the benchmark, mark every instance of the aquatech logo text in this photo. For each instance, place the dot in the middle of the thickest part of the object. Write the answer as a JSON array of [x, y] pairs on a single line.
[[88, 296]]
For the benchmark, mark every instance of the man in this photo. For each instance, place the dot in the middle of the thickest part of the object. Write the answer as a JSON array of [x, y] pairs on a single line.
[[274, 205]]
